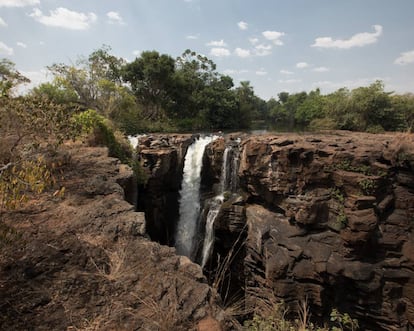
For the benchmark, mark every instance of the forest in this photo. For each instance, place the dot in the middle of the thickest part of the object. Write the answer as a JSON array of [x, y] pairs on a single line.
[[157, 93]]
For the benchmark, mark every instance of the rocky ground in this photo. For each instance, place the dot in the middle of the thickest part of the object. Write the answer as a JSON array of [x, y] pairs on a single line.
[[83, 261]]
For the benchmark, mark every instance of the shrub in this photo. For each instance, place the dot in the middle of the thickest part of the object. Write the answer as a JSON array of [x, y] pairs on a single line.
[[99, 131], [377, 128], [322, 124]]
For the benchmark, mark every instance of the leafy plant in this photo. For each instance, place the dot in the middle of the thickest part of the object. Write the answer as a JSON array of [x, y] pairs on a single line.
[[342, 321], [367, 186]]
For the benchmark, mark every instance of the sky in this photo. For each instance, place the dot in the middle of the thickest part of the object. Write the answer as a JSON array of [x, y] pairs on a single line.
[[289, 45]]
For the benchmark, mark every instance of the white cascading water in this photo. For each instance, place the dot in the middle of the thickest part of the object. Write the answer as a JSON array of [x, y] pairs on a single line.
[[214, 210], [190, 197]]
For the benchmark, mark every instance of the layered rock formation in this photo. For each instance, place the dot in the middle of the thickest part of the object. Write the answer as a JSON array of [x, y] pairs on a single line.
[[330, 220], [82, 260], [162, 158]]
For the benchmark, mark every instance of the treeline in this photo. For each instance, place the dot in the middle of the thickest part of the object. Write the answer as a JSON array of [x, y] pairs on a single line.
[[156, 92], [368, 109]]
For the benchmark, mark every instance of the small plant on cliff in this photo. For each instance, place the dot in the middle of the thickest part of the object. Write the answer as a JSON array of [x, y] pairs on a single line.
[[342, 321], [367, 186], [337, 195]]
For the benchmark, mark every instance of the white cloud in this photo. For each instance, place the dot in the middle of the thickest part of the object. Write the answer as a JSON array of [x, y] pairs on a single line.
[[263, 50], [136, 52], [219, 52], [351, 84], [217, 43], [2, 22], [20, 44], [191, 37], [115, 18], [5, 50], [405, 58], [240, 52], [357, 40], [321, 69], [42, 43], [233, 71], [65, 18], [242, 25], [18, 3], [274, 36], [286, 72], [290, 81], [302, 65], [261, 72], [36, 78], [254, 41]]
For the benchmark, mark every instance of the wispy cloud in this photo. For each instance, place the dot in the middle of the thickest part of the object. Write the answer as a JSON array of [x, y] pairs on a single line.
[[274, 37], [321, 69], [240, 52], [5, 50], [357, 40], [351, 84], [405, 58], [219, 52], [261, 72], [3, 22], [242, 25], [217, 43], [302, 65], [20, 44], [263, 50], [18, 3], [289, 81], [234, 72], [115, 18], [192, 37], [286, 72], [136, 52], [65, 18]]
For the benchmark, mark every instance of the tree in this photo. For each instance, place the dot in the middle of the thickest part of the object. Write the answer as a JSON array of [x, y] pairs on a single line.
[[95, 81], [9, 78], [248, 104], [312, 107], [151, 79]]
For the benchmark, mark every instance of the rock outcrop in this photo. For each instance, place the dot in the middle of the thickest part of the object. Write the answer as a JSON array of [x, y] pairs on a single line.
[[330, 220], [82, 260], [162, 158]]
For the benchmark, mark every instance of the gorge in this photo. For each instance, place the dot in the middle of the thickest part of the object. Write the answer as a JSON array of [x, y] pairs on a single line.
[[323, 218]]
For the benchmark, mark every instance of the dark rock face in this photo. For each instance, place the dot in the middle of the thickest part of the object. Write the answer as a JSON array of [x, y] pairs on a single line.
[[330, 218], [162, 157]]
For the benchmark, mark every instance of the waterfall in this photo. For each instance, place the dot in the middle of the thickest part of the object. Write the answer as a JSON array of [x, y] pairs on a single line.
[[189, 208], [228, 183]]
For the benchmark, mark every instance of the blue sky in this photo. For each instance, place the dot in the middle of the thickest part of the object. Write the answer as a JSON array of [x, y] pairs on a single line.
[[291, 45]]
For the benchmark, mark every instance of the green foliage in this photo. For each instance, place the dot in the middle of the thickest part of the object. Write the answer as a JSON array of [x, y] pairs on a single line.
[[338, 195], [322, 124], [342, 321], [276, 320], [368, 186], [100, 132], [341, 221], [375, 128], [22, 178]]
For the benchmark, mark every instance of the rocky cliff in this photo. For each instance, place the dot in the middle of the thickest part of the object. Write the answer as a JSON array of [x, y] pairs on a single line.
[[329, 220], [82, 260]]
